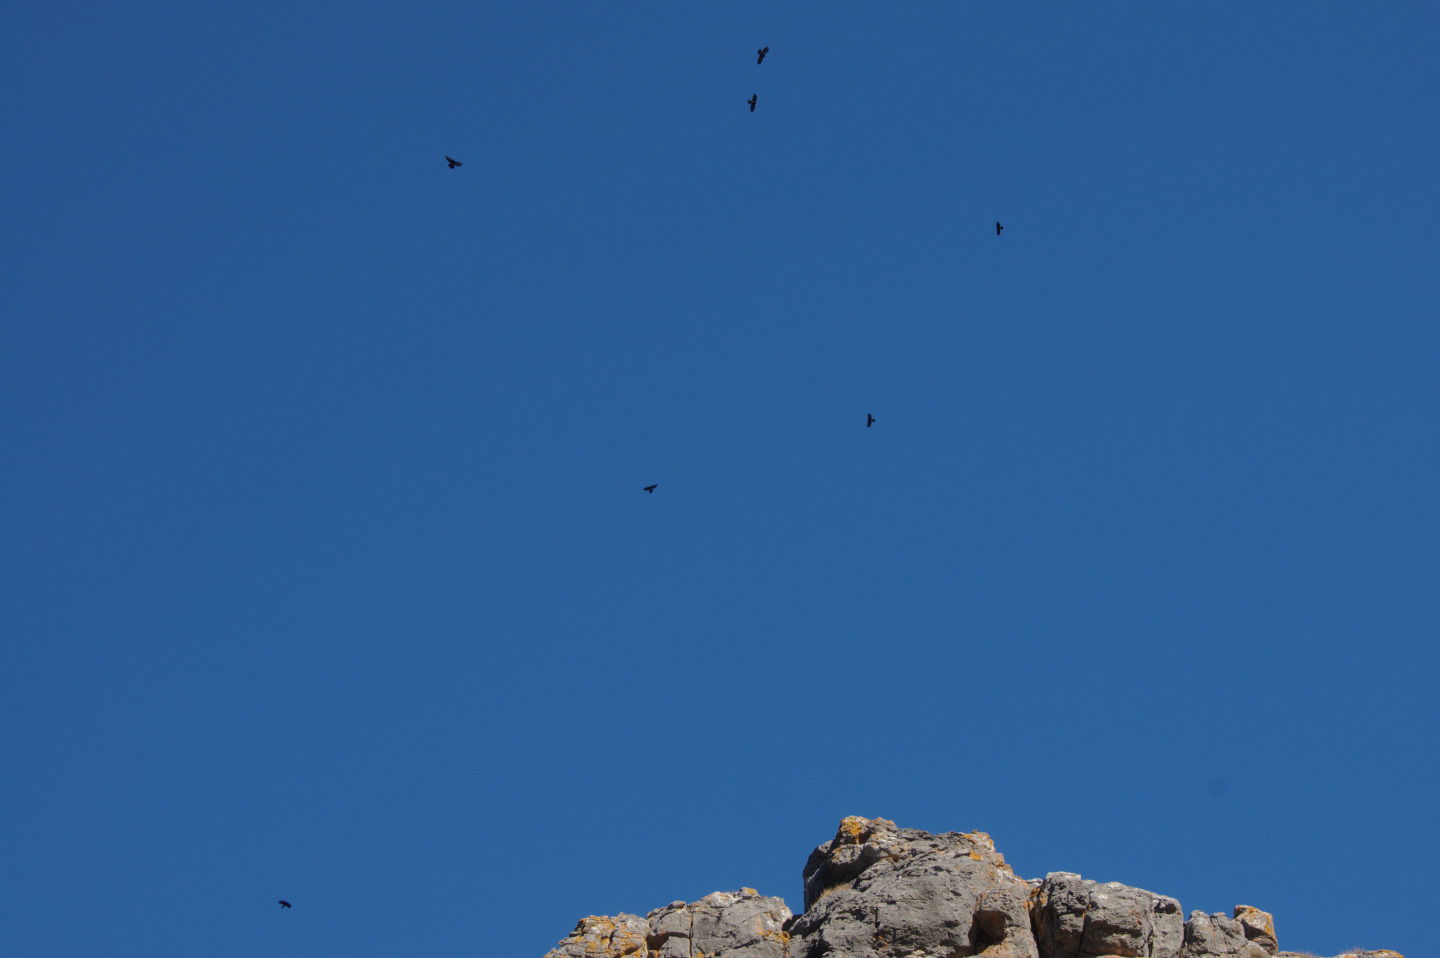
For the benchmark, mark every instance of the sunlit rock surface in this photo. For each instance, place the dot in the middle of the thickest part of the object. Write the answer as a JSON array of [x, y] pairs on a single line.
[[878, 891]]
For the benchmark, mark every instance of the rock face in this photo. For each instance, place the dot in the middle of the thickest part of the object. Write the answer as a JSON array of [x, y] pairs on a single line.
[[878, 891], [1075, 918], [1217, 935], [723, 924], [744, 924]]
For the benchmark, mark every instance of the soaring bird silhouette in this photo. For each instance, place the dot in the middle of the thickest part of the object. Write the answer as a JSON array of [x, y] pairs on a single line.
[[762, 51], [869, 420], [453, 163], [284, 903], [753, 98], [998, 227], [651, 488]]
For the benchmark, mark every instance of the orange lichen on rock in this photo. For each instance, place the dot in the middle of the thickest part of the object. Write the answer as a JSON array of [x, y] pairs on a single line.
[[1259, 926], [855, 830], [600, 936], [982, 839]]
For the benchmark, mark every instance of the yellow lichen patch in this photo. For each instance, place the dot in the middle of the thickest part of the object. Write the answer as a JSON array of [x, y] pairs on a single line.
[[627, 943], [750, 891], [1254, 917], [853, 830], [600, 936]]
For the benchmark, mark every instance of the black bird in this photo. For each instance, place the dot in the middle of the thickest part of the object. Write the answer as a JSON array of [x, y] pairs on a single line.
[[869, 420], [651, 488], [998, 227], [453, 163], [284, 903], [762, 51], [753, 98]]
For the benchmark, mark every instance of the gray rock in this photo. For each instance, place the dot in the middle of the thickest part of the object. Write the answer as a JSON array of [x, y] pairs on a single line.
[[1076, 918], [1214, 936], [876, 890], [600, 936], [670, 931], [1258, 926], [743, 924]]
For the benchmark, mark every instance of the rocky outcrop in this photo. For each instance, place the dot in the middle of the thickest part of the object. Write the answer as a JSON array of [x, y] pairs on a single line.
[[723, 924], [878, 891], [1075, 918], [1258, 926], [743, 924], [1207, 935], [603, 937]]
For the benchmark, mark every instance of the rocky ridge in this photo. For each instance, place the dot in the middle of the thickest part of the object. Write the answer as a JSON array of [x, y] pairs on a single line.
[[878, 891]]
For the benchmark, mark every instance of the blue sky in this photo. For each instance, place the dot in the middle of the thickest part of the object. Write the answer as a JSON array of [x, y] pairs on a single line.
[[327, 573]]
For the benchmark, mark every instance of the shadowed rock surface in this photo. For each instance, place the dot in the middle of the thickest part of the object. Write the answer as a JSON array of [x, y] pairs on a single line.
[[878, 891]]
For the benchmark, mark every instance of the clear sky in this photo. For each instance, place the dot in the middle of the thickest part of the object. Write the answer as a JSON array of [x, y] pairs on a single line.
[[326, 573]]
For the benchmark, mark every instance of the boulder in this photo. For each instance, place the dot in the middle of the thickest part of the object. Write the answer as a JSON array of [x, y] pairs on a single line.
[[1076, 918], [876, 890], [1216, 936], [743, 924], [600, 936], [732, 924], [1258, 926]]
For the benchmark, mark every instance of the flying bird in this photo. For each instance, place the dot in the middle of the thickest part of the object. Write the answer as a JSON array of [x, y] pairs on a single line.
[[762, 51], [753, 98], [651, 488], [284, 903], [998, 227], [453, 163], [869, 420]]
